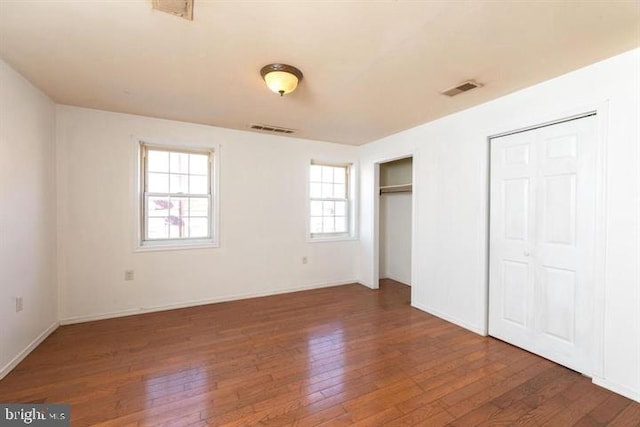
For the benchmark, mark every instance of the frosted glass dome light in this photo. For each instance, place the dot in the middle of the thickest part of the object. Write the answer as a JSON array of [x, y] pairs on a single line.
[[281, 78]]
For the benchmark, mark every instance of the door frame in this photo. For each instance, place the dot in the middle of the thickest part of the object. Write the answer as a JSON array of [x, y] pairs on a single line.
[[376, 216], [601, 112]]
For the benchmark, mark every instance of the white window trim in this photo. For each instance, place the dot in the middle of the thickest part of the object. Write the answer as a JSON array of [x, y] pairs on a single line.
[[140, 244], [352, 205]]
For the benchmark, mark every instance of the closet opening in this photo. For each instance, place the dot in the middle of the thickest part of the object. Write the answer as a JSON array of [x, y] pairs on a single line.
[[395, 208]]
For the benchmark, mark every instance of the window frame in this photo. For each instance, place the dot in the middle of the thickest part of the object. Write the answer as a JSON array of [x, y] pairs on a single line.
[[144, 244], [350, 196]]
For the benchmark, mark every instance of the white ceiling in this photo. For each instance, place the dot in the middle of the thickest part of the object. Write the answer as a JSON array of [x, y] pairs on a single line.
[[371, 68]]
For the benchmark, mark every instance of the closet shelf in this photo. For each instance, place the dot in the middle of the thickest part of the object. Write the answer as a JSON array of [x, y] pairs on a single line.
[[401, 188]]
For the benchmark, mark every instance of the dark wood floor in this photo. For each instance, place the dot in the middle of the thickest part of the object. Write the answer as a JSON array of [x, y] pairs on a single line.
[[335, 356]]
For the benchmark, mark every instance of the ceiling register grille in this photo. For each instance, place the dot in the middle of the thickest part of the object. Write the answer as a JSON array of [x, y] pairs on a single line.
[[273, 129], [181, 8], [463, 87]]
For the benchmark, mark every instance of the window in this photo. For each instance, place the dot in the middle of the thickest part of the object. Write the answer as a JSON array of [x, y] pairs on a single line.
[[330, 206], [176, 202]]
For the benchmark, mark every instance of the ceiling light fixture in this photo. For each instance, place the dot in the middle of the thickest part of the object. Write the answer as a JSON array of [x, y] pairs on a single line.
[[281, 78]]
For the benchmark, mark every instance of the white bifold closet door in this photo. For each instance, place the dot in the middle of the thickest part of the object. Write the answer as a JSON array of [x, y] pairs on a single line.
[[542, 223]]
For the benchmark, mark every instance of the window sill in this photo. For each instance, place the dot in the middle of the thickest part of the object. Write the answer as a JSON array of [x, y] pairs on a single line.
[[331, 239], [175, 246]]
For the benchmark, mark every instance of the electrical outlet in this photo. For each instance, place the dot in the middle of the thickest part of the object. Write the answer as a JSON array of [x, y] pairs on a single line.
[[128, 275], [304, 259], [18, 304]]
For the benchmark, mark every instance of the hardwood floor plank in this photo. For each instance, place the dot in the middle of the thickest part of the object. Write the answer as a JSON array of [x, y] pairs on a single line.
[[628, 417], [318, 416], [581, 406], [336, 356], [425, 413], [382, 399], [609, 409]]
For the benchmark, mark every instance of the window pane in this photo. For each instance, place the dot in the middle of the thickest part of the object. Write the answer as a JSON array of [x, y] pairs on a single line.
[[198, 185], [199, 164], [329, 204], [327, 190], [327, 174], [327, 224], [176, 227], [328, 208], [316, 208], [199, 207], [316, 224], [179, 162], [179, 184], [186, 175], [157, 228], [158, 206], [316, 190], [158, 183], [198, 227], [180, 208], [185, 228], [158, 161], [315, 174]]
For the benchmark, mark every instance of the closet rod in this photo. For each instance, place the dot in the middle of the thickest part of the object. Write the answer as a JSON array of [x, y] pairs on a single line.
[[403, 188]]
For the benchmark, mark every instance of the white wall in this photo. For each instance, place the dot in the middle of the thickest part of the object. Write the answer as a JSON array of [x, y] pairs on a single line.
[[450, 196], [395, 237], [263, 202], [27, 217]]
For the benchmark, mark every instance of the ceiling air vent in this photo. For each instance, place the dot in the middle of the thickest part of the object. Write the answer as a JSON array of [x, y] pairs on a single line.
[[270, 128], [181, 8], [468, 85]]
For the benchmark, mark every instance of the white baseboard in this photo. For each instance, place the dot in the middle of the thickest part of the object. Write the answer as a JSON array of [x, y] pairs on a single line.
[[193, 303], [28, 349], [451, 319], [616, 388], [365, 284], [396, 279]]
